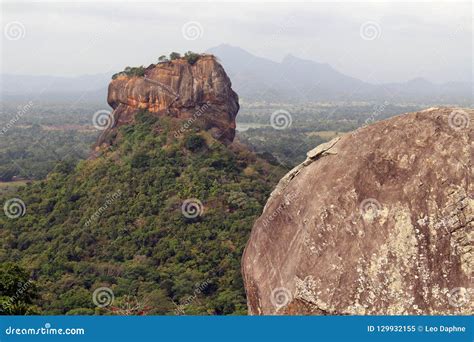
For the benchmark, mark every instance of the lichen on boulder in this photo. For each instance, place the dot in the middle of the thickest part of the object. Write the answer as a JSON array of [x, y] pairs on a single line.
[[379, 221]]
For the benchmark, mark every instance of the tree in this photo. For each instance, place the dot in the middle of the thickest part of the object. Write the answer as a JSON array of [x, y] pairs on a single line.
[[162, 59], [141, 244], [17, 291], [191, 57], [194, 142], [174, 55], [140, 160]]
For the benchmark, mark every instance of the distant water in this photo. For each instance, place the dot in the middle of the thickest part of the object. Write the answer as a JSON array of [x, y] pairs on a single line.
[[243, 126]]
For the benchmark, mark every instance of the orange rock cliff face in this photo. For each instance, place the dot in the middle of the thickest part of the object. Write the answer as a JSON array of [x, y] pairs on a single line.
[[200, 92]]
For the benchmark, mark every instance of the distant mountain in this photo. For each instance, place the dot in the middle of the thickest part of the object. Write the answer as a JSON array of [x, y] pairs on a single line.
[[296, 80], [293, 79], [257, 79], [93, 87]]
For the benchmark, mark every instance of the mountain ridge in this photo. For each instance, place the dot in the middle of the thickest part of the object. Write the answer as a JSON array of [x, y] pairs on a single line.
[[259, 79], [320, 81]]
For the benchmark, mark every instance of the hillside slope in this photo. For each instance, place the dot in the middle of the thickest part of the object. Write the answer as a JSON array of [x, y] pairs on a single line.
[[155, 218]]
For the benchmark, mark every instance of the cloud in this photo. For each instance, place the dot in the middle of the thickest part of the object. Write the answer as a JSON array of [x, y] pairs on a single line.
[[422, 39]]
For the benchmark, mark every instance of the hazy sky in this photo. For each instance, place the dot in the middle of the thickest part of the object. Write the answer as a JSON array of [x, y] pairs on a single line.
[[373, 41]]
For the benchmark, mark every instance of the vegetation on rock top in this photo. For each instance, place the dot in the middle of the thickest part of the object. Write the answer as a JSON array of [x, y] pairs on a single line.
[[190, 57]]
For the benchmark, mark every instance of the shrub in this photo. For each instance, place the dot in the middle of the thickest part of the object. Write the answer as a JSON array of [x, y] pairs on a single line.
[[174, 55], [140, 160], [80, 312], [131, 72], [191, 57], [17, 291], [145, 117], [194, 142], [162, 59]]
